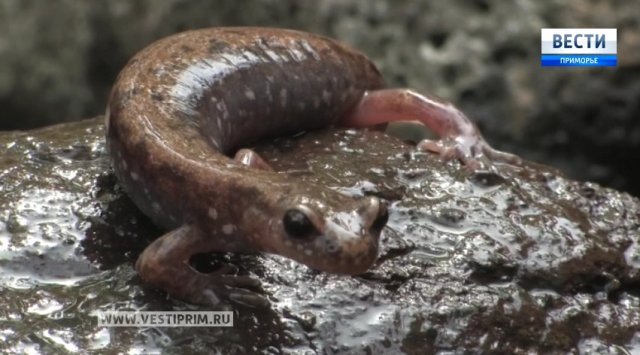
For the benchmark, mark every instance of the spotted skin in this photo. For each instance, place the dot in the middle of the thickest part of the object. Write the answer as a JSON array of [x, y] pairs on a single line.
[[182, 106]]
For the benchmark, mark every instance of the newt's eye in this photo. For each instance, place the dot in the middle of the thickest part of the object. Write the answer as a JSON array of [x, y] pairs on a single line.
[[381, 219], [297, 224]]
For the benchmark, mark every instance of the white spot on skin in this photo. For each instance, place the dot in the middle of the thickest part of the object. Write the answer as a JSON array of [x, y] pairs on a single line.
[[156, 206], [228, 228], [211, 296], [134, 176], [269, 96], [124, 165], [250, 94], [308, 252], [213, 214], [288, 243], [222, 107], [283, 97], [326, 96]]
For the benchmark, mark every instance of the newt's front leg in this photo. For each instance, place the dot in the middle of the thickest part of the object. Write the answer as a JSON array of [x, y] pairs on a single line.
[[165, 264], [459, 137]]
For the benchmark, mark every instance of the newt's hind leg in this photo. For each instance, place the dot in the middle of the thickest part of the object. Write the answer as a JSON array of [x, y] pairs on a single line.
[[251, 159], [165, 264], [459, 137]]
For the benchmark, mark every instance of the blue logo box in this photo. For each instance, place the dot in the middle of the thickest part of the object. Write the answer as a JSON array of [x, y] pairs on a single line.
[[578, 47], [579, 60]]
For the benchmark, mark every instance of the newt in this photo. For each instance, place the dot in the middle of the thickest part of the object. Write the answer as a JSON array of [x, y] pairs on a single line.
[[181, 114]]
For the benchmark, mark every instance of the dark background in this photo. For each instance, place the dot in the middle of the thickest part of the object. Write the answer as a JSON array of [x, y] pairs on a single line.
[[58, 60]]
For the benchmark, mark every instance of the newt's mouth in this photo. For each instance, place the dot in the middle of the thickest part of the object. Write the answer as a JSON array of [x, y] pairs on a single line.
[[337, 255]]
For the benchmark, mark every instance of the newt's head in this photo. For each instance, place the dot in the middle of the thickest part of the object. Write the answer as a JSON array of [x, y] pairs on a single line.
[[334, 233]]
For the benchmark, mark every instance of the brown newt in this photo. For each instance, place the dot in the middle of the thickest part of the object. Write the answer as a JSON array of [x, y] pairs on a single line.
[[185, 104]]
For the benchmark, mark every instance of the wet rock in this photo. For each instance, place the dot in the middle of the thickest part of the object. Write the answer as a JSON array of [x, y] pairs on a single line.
[[511, 260]]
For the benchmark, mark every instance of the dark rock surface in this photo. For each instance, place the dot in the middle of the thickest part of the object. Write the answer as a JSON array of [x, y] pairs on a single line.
[[518, 260], [481, 55]]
